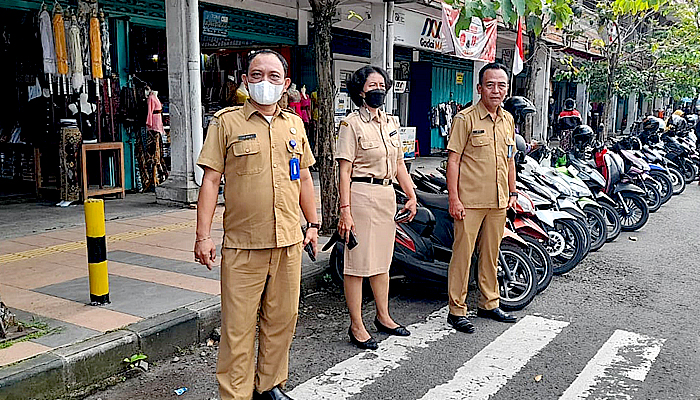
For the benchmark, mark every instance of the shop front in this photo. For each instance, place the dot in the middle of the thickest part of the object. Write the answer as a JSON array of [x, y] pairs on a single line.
[[433, 86]]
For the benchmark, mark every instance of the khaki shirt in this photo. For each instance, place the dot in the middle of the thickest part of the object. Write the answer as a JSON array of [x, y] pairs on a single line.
[[373, 147], [262, 202], [484, 148]]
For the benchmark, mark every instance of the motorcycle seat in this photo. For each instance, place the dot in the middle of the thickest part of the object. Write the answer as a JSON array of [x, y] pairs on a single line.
[[430, 200]]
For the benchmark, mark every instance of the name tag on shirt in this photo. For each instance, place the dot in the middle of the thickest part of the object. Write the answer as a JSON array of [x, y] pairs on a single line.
[[478, 132], [294, 169], [247, 137], [393, 133]]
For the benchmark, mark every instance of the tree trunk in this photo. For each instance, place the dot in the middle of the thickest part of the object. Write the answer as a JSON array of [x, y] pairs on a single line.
[[530, 83], [323, 11], [608, 117]]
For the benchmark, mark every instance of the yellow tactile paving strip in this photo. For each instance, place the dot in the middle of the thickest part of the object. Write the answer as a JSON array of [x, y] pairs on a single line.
[[71, 246]]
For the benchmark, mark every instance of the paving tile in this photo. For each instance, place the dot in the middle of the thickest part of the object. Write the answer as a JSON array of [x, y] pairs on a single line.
[[182, 281], [38, 272], [40, 240], [65, 333], [20, 351], [129, 296], [76, 258], [71, 235], [167, 264], [75, 312], [8, 247]]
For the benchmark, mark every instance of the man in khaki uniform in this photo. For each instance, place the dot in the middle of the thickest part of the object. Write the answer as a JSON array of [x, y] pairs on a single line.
[[481, 184], [264, 155]]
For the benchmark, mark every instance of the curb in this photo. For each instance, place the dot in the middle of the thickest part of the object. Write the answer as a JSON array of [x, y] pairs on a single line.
[[66, 369]]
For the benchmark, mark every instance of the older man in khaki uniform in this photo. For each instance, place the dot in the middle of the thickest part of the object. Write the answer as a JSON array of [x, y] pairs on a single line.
[[264, 155], [481, 184]]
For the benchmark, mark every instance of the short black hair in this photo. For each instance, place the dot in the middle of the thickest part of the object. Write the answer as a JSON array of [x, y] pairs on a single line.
[[255, 53], [356, 82], [493, 65]]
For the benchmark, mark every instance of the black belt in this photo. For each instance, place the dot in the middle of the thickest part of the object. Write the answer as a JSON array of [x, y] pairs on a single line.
[[375, 181]]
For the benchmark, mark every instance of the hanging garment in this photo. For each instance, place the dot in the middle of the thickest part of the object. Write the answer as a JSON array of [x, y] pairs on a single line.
[[76, 53], [69, 150], [106, 55], [154, 119], [295, 106], [59, 33], [95, 48], [34, 91], [305, 108], [149, 152], [47, 46]]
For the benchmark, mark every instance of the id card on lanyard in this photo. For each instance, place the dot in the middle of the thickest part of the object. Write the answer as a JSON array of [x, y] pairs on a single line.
[[294, 169]]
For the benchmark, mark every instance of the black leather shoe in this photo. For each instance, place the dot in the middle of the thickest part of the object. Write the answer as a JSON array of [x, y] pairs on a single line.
[[398, 331], [496, 314], [461, 323], [369, 344], [275, 394]]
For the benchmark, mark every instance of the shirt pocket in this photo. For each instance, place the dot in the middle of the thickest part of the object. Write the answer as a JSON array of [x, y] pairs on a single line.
[[296, 150], [248, 160], [481, 146], [368, 144]]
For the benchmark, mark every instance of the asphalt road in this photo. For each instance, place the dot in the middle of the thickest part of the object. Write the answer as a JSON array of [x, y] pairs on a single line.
[[621, 325]]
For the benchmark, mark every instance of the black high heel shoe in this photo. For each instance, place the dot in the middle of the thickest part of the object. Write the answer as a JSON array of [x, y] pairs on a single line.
[[398, 331], [369, 344]]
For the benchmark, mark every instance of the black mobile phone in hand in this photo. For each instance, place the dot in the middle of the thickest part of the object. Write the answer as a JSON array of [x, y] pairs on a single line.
[[352, 241], [402, 216], [309, 248]]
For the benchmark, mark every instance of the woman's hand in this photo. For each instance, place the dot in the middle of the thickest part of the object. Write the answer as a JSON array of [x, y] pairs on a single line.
[[345, 224], [410, 206]]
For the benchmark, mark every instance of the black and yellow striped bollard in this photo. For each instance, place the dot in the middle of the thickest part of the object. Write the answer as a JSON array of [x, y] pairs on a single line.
[[96, 251]]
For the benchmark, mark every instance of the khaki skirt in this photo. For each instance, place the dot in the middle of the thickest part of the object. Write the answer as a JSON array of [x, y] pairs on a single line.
[[373, 208]]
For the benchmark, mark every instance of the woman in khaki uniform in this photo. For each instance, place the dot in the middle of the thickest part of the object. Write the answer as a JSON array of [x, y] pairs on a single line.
[[370, 156]]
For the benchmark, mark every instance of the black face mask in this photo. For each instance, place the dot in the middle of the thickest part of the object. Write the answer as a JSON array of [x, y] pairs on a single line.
[[375, 98]]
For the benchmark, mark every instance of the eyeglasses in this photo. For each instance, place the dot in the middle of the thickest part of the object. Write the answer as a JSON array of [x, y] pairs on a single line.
[[492, 85]]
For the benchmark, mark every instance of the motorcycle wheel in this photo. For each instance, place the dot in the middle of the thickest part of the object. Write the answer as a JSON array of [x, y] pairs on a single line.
[[582, 226], [597, 226], [678, 181], [336, 264], [612, 219], [541, 260], [689, 173], [565, 245], [665, 185], [517, 294], [652, 197], [638, 212]]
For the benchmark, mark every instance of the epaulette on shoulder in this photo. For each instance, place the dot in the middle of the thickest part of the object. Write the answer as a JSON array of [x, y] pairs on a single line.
[[225, 110]]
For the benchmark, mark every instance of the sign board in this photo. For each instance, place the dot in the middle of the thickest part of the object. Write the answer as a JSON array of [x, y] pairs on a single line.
[[419, 31], [408, 139], [400, 87], [342, 104], [476, 42], [460, 78]]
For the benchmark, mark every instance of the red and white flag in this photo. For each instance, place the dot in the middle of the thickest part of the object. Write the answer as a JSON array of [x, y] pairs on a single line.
[[519, 56]]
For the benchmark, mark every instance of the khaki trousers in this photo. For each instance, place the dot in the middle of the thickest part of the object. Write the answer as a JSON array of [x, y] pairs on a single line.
[[265, 284], [483, 227]]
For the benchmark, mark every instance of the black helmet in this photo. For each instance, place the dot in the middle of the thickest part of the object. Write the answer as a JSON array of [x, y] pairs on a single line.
[[653, 125], [569, 104], [519, 107], [692, 120], [583, 135]]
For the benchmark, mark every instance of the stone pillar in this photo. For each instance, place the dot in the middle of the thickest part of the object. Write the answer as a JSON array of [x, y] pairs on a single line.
[[631, 112], [180, 186], [475, 80], [582, 101], [378, 21], [540, 79]]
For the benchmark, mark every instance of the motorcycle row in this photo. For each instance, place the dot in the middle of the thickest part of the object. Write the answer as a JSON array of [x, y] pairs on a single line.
[[569, 204]]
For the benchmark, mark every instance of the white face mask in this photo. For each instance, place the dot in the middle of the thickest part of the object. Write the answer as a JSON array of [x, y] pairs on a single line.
[[265, 93]]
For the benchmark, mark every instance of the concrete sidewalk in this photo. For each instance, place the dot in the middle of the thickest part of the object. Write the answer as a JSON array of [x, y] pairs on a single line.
[[161, 300]]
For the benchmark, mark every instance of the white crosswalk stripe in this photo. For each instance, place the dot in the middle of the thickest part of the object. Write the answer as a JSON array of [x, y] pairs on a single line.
[[485, 373], [347, 378], [618, 367], [615, 372]]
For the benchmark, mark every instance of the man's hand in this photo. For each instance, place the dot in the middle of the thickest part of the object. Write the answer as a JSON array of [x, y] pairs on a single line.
[[456, 209], [205, 252], [312, 237], [512, 201]]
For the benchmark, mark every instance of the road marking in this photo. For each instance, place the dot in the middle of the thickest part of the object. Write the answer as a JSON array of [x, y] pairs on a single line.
[[485, 373], [614, 372], [347, 378]]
